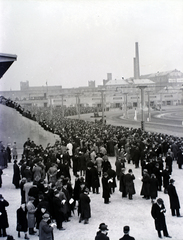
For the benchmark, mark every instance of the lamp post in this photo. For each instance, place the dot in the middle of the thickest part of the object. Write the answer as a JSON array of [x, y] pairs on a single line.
[[102, 102], [149, 110], [78, 104], [142, 107], [126, 102], [62, 96]]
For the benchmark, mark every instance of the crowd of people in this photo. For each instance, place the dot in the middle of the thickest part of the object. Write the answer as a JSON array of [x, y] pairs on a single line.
[[44, 175]]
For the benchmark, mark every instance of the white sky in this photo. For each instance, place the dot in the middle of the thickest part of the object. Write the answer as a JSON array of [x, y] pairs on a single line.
[[71, 42]]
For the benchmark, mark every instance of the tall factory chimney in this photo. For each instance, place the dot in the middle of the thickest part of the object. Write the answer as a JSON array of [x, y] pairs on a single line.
[[136, 62]]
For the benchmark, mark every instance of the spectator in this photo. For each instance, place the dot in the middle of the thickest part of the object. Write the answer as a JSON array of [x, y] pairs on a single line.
[[157, 212], [105, 188], [46, 228], [14, 151], [102, 234], [16, 175], [129, 184], [85, 211], [3, 216], [174, 199], [22, 224], [126, 236]]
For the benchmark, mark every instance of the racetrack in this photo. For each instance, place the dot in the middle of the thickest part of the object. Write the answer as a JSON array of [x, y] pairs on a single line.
[[168, 121]]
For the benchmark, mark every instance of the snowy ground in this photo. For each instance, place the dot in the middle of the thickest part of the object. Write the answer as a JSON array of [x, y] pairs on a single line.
[[119, 212]]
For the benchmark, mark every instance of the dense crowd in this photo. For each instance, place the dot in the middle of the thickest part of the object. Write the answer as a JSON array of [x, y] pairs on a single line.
[[44, 175]]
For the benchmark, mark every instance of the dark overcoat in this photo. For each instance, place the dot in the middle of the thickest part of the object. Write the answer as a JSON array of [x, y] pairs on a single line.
[[130, 188], [122, 187], [145, 190], [174, 200], [157, 213], [153, 188], [45, 231], [22, 220], [16, 175], [105, 186], [85, 206], [95, 177], [3, 217]]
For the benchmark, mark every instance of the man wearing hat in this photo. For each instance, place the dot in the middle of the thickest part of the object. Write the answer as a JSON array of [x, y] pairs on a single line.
[[46, 228], [174, 199], [126, 230], [157, 212], [102, 234], [84, 206]]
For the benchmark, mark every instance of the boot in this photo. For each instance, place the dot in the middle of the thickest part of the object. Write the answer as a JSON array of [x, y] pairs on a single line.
[[26, 237], [4, 232], [19, 234]]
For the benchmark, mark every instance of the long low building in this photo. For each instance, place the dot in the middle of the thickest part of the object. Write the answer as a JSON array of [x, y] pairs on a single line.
[[163, 89]]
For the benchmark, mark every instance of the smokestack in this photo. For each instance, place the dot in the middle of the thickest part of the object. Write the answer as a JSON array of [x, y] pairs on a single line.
[[135, 67], [137, 74]]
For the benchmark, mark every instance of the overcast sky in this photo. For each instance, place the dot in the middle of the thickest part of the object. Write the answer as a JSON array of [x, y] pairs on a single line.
[[70, 42]]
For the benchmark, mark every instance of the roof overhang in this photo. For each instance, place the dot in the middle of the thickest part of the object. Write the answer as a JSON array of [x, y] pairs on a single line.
[[6, 60]]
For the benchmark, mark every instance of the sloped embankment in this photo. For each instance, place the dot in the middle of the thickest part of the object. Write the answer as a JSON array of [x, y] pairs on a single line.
[[15, 127]]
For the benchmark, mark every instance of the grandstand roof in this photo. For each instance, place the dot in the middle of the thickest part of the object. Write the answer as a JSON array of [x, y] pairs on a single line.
[[6, 61]]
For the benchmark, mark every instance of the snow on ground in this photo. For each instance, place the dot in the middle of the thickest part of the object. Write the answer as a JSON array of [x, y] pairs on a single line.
[[120, 212]]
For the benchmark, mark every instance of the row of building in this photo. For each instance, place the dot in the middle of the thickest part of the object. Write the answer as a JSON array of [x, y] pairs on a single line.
[[160, 89]]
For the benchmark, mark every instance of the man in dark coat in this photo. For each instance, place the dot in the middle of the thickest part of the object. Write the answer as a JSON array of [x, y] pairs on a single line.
[[153, 187], [57, 212], [166, 178], [122, 187], [129, 184], [174, 199], [22, 224], [3, 217], [16, 175], [85, 211], [169, 162], [126, 236], [157, 212], [145, 190], [105, 187], [46, 228], [95, 179]]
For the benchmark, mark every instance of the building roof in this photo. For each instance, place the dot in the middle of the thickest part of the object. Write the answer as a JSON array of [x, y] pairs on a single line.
[[159, 74], [6, 61], [116, 82]]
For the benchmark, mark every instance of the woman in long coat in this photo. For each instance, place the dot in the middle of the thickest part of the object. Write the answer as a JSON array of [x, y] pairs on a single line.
[[22, 223], [3, 217], [16, 175]]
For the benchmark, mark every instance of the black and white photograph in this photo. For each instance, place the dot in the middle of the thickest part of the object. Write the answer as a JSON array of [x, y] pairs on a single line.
[[91, 119]]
